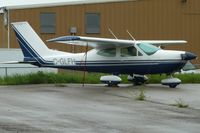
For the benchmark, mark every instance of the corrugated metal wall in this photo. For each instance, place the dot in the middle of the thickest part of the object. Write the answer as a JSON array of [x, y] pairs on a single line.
[[145, 19]]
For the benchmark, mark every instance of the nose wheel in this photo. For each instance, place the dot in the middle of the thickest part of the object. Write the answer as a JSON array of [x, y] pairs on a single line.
[[171, 82]]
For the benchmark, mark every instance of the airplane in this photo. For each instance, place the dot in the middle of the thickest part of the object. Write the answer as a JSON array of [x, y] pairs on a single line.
[[114, 56]]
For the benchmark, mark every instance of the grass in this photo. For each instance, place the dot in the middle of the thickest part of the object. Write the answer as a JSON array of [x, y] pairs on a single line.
[[77, 77], [185, 78], [45, 78], [180, 104]]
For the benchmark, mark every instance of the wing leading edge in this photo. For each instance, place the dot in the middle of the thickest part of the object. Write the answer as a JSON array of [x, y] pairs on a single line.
[[106, 42]]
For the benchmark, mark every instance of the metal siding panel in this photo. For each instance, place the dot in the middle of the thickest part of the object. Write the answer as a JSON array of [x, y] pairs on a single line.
[[146, 19]]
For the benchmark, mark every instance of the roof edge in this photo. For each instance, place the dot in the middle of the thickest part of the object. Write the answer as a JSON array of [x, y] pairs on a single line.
[[79, 2]]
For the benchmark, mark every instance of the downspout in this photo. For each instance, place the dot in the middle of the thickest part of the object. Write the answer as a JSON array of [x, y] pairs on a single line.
[[7, 25], [8, 17]]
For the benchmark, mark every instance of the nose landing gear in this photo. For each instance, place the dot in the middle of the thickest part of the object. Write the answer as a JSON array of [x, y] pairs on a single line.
[[171, 82]]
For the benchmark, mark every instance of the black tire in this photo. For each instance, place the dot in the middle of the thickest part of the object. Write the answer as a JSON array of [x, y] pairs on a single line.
[[113, 84], [138, 83], [173, 86]]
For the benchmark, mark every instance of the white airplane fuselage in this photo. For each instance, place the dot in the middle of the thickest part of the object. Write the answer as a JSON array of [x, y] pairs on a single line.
[[163, 61], [108, 56]]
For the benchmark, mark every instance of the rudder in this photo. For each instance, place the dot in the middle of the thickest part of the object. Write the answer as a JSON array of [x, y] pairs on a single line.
[[32, 46]]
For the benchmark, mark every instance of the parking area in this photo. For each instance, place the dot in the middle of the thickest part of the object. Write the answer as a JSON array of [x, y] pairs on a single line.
[[95, 108]]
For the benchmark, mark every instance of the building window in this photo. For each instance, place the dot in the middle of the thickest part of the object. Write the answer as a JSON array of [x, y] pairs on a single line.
[[92, 23], [47, 22]]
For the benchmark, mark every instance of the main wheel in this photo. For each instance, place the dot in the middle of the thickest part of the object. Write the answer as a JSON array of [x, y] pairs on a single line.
[[138, 83], [138, 79], [112, 84], [173, 86]]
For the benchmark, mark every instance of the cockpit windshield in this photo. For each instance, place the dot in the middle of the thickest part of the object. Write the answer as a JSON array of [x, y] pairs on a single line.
[[149, 49]]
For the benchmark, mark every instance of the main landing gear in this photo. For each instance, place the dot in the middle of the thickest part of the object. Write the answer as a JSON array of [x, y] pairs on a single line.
[[142, 79], [137, 79], [171, 82], [111, 80]]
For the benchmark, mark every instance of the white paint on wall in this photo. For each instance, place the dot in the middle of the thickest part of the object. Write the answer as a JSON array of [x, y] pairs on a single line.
[[12, 69]]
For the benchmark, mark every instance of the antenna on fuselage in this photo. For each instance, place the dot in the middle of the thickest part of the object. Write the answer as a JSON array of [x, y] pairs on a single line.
[[112, 33], [131, 36]]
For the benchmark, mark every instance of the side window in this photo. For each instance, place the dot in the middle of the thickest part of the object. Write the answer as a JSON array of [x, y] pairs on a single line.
[[139, 53], [110, 52], [128, 51], [47, 22]]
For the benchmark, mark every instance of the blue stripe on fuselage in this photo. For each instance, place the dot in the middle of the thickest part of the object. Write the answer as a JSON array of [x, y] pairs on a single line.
[[126, 62], [140, 68]]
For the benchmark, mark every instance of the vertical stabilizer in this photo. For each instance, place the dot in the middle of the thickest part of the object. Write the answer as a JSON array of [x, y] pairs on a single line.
[[32, 46]]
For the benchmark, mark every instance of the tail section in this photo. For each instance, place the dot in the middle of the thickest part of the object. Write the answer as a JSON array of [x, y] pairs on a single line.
[[32, 46]]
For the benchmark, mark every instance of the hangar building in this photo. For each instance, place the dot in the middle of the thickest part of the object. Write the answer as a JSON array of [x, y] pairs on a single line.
[[144, 19]]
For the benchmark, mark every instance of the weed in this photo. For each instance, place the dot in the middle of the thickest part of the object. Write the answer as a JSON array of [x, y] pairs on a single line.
[[179, 103], [141, 96]]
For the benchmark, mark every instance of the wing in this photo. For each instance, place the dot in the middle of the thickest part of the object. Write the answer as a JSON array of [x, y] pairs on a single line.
[[108, 43], [92, 41], [163, 42]]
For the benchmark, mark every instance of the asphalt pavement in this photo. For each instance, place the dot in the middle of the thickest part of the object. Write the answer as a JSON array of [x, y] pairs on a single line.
[[98, 109]]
